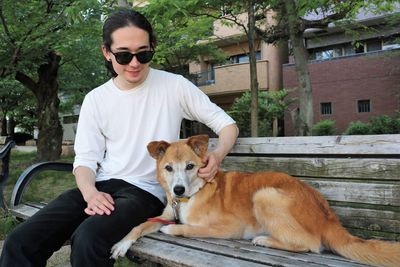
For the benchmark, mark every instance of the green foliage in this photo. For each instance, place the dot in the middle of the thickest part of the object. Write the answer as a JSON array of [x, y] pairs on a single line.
[[7, 223], [270, 106], [181, 38], [72, 29], [358, 128], [17, 103], [385, 124], [324, 127]]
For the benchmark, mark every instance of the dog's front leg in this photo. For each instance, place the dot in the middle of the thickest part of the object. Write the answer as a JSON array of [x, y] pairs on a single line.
[[120, 248], [199, 231]]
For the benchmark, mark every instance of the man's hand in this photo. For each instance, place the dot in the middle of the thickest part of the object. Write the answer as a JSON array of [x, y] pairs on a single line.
[[99, 203], [211, 167]]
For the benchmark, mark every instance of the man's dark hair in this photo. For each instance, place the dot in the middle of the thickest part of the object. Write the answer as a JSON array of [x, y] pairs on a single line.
[[124, 18]]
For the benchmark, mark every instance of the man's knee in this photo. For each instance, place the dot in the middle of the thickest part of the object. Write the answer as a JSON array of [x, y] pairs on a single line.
[[87, 240], [89, 248]]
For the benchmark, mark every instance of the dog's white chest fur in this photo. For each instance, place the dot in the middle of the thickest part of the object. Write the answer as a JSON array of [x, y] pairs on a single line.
[[183, 211]]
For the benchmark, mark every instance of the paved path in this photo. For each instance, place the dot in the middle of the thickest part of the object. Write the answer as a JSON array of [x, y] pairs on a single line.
[[59, 258]]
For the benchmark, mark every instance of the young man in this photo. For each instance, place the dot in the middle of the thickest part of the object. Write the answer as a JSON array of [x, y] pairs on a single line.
[[116, 180]]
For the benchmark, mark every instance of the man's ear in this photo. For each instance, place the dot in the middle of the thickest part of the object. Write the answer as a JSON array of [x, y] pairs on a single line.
[[157, 149], [199, 144]]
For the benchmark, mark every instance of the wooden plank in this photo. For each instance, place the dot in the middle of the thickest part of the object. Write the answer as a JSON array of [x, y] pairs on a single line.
[[369, 219], [242, 252], [24, 211], [365, 169], [358, 192], [176, 255], [324, 258], [343, 144]]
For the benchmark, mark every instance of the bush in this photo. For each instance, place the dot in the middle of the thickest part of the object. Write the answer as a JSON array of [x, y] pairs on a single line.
[[21, 138], [384, 125], [271, 105], [358, 127], [324, 127]]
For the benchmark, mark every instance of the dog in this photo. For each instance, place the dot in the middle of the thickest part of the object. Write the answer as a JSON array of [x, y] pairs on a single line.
[[273, 209]]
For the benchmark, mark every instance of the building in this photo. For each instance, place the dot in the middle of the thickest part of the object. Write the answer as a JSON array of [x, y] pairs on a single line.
[[351, 80]]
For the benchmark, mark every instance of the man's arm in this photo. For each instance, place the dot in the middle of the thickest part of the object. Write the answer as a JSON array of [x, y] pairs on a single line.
[[98, 202], [226, 139]]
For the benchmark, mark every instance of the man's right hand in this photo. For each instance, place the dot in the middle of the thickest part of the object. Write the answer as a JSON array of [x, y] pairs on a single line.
[[99, 203]]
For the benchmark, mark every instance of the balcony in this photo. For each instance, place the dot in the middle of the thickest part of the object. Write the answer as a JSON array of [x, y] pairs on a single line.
[[233, 78]]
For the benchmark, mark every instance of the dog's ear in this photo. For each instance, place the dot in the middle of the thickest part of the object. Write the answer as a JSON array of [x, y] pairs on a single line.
[[199, 144], [157, 148]]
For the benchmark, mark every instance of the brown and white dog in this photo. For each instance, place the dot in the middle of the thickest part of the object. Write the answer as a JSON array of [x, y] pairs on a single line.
[[273, 209]]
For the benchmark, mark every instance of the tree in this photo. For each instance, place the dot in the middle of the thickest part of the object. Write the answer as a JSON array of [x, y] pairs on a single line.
[[181, 39], [32, 53]]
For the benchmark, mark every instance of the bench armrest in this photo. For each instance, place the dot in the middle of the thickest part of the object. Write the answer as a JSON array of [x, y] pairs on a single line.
[[31, 172], [5, 150]]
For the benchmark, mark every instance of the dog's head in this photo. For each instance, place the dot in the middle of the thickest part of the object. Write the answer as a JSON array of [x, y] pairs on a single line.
[[178, 164]]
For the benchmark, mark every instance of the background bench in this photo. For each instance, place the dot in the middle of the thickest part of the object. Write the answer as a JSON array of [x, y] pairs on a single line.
[[359, 175], [6, 144]]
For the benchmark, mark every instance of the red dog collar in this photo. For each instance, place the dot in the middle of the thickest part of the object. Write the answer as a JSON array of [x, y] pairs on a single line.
[[160, 220]]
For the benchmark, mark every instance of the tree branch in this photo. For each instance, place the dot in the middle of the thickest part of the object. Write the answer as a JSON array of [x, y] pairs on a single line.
[[27, 82]]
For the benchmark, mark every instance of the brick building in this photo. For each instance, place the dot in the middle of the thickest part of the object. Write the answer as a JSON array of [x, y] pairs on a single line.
[[351, 80], [351, 88]]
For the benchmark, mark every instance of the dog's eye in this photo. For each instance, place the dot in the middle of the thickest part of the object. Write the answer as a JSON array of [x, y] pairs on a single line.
[[168, 168], [189, 166]]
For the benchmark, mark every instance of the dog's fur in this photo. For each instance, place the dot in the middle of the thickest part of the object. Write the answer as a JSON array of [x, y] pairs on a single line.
[[251, 206]]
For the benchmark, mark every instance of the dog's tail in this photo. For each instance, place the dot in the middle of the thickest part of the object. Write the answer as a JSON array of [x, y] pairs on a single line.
[[372, 252]]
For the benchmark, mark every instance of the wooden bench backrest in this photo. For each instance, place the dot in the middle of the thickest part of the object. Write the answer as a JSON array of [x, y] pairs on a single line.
[[359, 175]]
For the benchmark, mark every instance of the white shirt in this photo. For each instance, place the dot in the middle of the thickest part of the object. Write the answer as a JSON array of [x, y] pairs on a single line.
[[115, 126]]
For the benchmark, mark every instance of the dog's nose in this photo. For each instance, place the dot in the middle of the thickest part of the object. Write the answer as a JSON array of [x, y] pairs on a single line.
[[179, 190]]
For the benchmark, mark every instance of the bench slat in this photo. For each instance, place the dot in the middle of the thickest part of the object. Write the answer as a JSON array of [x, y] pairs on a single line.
[[350, 191], [386, 144], [217, 252], [24, 211], [365, 169]]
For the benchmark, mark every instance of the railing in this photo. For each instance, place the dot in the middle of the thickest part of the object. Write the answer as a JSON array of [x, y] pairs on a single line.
[[203, 78]]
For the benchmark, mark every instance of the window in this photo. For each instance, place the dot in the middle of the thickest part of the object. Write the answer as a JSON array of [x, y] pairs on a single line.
[[243, 58], [326, 108], [70, 119], [374, 45], [364, 106]]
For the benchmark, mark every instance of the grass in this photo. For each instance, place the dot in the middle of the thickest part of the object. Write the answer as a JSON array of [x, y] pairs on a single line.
[[43, 188]]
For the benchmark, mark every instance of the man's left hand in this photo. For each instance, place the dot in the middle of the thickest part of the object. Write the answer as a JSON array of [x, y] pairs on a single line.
[[211, 167]]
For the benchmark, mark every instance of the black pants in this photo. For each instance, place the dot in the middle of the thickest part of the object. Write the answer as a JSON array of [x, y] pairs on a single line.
[[34, 241]]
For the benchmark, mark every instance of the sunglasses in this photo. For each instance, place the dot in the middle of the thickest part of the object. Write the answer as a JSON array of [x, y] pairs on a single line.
[[124, 58]]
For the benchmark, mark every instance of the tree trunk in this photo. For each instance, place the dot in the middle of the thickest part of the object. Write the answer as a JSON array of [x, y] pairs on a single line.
[[306, 114], [253, 69], [4, 126], [46, 92]]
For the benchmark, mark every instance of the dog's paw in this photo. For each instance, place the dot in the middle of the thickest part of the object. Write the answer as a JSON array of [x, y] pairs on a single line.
[[260, 241], [120, 248]]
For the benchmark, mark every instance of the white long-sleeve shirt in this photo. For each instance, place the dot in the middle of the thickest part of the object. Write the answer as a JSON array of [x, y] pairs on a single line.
[[115, 126]]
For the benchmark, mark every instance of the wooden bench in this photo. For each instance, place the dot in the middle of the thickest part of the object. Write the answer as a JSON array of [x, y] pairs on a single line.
[[359, 175], [6, 145]]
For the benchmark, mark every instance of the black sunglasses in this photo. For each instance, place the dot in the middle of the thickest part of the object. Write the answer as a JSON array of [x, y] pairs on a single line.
[[125, 57]]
